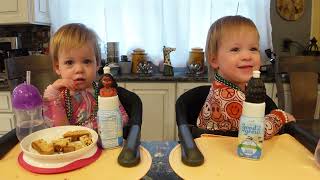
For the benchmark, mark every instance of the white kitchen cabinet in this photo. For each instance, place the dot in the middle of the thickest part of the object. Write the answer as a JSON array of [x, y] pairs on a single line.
[[5, 101], [184, 87], [158, 101], [24, 12], [121, 84], [7, 121]]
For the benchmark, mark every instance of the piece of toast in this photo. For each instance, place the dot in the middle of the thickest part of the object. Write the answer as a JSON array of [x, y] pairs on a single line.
[[42, 147], [68, 148], [59, 144], [86, 140], [77, 145], [76, 134]]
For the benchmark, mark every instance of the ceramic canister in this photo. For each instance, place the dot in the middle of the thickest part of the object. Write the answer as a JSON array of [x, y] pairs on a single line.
[[138, 56], [196, 56]]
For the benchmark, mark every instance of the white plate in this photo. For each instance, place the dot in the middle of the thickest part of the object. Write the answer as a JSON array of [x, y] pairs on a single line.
[[56, 164], [53, 134]]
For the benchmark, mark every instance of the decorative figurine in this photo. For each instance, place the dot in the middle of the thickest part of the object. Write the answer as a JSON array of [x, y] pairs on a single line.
[[167, 67], [107, 86], [144, 68]]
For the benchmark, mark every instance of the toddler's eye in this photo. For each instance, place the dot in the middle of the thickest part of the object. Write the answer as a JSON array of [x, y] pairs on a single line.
[[87, 61], [254, 49], [235, 49], [68, 62]]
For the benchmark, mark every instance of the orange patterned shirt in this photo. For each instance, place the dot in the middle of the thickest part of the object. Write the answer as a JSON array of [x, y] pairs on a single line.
[[223, 108]]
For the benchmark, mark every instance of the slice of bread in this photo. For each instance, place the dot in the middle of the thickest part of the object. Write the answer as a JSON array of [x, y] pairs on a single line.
[[59, 144], [68, 149], [76, 134], [77, 145], [42, 147]]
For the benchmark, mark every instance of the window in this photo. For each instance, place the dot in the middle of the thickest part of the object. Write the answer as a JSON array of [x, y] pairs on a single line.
[[151, 24]]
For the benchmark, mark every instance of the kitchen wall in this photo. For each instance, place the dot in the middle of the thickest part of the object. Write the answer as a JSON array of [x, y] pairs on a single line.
[[33, 37], [298, 30]]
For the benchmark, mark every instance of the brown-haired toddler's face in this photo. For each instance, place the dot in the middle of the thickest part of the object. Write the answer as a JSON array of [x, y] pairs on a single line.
[[78, 64], [237, 55]]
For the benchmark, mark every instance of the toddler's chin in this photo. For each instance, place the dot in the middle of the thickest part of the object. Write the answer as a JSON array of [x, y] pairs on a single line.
[[81, 87]]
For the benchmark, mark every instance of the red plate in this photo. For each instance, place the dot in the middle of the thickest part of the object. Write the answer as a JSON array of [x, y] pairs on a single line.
[[72, 166]]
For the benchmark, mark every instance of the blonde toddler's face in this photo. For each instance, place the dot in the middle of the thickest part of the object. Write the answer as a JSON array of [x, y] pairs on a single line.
[[237, 55], [79, 65]]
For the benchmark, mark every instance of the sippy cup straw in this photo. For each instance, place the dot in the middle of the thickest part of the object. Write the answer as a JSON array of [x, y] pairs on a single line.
[[28, 77]]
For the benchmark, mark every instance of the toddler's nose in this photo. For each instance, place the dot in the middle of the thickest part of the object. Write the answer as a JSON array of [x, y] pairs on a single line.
[[78, 68], [246, 56]]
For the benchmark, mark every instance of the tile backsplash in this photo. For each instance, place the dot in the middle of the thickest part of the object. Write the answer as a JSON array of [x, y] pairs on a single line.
[[33, 37]]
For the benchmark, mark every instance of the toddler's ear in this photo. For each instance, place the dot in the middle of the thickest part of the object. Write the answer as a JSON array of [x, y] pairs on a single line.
[[56, 68], [214, 62], [97, 68]]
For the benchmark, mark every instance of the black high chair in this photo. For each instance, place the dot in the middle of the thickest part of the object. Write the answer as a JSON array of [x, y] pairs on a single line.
[[129, 155], [188, 107]]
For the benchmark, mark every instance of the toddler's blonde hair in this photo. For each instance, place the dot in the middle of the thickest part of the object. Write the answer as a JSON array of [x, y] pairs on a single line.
[[73, 35], [218, 29]]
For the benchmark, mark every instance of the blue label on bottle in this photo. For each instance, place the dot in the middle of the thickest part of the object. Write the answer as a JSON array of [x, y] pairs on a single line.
[[251, 136], [110, 128]]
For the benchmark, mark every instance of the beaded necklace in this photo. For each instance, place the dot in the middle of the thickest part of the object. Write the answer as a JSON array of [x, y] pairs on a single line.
[[226, 82], [68, 104]]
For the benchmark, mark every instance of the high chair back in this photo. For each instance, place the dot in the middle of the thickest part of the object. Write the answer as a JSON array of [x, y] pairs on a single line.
[[303, 72], [188, 107]]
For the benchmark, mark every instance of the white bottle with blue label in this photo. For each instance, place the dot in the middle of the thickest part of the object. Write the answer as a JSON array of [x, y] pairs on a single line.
[[252, 124], [109, 122]]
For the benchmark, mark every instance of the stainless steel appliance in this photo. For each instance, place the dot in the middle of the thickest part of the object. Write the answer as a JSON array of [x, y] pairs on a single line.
[[42, 73], [10, 47], [8, 43]]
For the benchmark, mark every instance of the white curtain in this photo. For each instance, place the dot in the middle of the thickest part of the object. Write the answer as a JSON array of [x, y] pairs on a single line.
[[151, 24]]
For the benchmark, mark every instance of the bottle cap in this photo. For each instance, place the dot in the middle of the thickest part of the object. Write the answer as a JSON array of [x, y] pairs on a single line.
[[106, 70], [256, 74]]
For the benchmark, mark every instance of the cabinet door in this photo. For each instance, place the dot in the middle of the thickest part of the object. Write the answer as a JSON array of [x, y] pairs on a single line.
[[24, 11], [5, 101], [158, 100], [6, 123], [13, 11]]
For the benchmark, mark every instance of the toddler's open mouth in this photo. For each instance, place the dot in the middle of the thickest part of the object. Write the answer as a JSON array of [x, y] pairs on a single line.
[[79, 80]]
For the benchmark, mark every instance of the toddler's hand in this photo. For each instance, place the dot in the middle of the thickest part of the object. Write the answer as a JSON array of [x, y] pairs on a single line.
[[64, 83], [290, 117]]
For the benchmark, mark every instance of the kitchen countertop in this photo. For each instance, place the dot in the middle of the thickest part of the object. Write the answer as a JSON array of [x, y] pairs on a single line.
[[179, 76]]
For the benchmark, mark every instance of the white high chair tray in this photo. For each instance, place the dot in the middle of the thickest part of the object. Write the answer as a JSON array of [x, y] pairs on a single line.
[[105, 167], [283, 157]]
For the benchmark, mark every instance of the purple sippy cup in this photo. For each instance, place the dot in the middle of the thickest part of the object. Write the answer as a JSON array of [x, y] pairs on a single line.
[[27, 106]]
